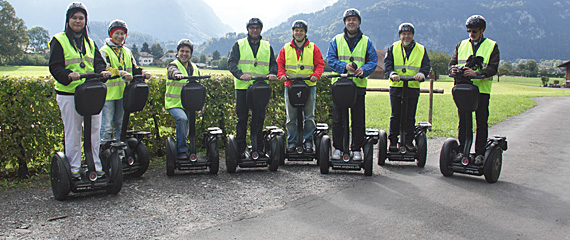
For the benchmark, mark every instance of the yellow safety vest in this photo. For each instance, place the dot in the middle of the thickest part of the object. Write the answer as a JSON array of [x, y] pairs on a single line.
[[358, 56], [174, 87], [466, 49], [73, 60], [116, 87], [254, 66], [411, 63], [302, 67]]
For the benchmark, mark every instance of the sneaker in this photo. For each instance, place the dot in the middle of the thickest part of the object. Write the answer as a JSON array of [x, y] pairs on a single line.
[[393, 146], [309, 147], [75, 176], [410, 147], [100, 174], [356, 155], [479, 160], [182, 156], [458, 157], [290, 148], [336, 154]]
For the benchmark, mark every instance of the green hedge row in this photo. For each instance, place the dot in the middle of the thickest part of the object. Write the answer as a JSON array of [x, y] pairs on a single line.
[[31, 127]]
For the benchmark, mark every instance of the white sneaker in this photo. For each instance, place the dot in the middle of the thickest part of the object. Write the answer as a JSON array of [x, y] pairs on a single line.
[[336, 154], [356, 155]]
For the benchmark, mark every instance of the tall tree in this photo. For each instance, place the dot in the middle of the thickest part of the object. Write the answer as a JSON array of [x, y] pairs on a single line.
[[203, 58], [38, 37], [156, 51], [439, 61], [145, 48], [12, 33], [216, 55], [135, 52]]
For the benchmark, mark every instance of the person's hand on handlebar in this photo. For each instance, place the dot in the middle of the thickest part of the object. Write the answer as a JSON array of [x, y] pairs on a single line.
[[245, 77], [314, 79], [468, 72], [106, 74], [395, 77], [272, 77], [178, 76], [74, 76], [146, 74], [359, 72], [419, 76], [283, 78], [126, 75]]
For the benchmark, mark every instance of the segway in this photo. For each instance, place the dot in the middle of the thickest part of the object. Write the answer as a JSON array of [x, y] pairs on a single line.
[[452, 159], [298, 94], [420, 138], [89, 101], [344, 97], [258, 95], [135, 158], [193, 97]]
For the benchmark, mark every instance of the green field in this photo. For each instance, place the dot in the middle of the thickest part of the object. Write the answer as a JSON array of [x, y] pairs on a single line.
[[19, 71]]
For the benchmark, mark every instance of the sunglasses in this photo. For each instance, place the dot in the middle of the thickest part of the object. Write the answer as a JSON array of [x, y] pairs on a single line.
[[472, 31]]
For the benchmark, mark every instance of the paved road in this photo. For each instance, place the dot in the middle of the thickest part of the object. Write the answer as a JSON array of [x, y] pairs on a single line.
[[530, 201]]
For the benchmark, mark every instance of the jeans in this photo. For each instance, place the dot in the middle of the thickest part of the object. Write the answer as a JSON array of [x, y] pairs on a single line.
[[182, 126], [309, 117], [112, 119], [357, 118], [256, 126], [396, 104], [481, 118]]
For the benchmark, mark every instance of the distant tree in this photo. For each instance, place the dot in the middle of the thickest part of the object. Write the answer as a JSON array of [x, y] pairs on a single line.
[[135, 52], [532, 68], [38, 37], [145, 48], [12, 33], [156, 51], [223, 63], [216, 55], [439, 61], [195, 59], [202, 58]]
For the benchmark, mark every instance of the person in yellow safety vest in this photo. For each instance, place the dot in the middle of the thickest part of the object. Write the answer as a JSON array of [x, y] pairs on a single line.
[[346, 49], [409, 59], [119, 61], [175, 71], [72, 52], [250, 57], [477, 45], [300, 58]]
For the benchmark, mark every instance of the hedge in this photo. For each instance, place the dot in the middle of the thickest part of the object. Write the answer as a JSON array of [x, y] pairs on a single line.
[[31, 128]]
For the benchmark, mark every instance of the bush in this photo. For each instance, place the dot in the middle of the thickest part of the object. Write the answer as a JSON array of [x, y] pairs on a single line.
[[544, 80], [32, 130]]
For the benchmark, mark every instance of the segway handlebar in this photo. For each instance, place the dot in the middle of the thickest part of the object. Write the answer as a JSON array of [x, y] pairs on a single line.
[[343, 75], [298, 78], [196, 77], [89, 76], [410, 79]]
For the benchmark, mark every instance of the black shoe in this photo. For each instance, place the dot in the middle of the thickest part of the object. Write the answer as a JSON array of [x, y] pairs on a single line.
[[308, 147], [479, 160], [410, 147], [393, 146], [291, 148]]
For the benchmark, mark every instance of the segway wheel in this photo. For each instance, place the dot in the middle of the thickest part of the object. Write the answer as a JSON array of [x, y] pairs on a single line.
[[60, 176], [282, 142], [493, 164], [368, 158], [140, 155], [231, 154], [214, 157], [421, 154], [318, 149], [382, 147], [448, 152], [274, 157], [171, 155], [116, 174], [324, 154]]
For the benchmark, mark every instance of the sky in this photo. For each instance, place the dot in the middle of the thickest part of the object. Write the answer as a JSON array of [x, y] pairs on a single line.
[[236, 13]]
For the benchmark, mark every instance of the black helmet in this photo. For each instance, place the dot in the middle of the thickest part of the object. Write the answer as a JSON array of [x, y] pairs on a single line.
[[185, 42], [254, 21], [406, 27], [117, 24], [476, 21], [299, 24], [73, 7], [351, 12]]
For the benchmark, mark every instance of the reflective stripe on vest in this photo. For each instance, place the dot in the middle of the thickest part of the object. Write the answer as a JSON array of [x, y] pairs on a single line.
[[116, 87], [358, 56], [412, 64], [73, 60], [466, 49], [174, 87], [254, 66], [302, 67]]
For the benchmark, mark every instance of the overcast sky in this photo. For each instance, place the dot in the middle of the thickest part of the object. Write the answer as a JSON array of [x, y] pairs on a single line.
[[271, 12]]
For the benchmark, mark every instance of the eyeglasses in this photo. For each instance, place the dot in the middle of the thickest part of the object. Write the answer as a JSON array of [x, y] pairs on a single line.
[[254, 28], [472, 31]]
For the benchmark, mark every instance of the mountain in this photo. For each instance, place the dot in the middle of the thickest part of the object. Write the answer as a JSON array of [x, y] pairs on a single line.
[[523, 28], [164, 20]]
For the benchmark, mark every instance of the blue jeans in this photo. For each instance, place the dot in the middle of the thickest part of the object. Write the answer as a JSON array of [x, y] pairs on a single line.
[[112, 119], [182, 125], [309, 117]]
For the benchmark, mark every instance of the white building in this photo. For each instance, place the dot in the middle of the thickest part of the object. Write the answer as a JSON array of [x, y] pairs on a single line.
[[145, 59]]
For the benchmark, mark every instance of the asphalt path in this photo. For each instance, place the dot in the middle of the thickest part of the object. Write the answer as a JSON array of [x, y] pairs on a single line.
[[531, 200]]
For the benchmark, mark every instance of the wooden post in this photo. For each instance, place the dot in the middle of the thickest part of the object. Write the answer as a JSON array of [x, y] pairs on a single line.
[[430, 110]]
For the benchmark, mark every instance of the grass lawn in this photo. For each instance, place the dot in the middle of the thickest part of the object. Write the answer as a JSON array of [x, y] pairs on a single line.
[[509, 97], [19, 71]]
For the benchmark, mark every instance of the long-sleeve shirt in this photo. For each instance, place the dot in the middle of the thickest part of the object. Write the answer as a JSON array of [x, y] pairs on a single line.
[[172, 70], [233, 60], [371, 59], [492, 66], [318, 61]]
